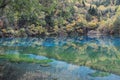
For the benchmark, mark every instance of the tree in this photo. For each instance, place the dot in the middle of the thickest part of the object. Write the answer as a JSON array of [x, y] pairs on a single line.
[[21, 10], [3, 4], [117, 2], [48, 6], [92, 11], [83, 2], [116, 27]]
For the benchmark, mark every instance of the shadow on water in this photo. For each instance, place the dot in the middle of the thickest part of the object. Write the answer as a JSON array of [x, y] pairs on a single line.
[[101, 53]]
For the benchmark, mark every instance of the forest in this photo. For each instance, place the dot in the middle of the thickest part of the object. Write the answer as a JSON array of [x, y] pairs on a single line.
[[22, 18], [59, 39]]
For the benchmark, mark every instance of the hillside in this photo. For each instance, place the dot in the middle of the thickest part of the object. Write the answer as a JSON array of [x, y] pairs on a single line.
[[59, 17]]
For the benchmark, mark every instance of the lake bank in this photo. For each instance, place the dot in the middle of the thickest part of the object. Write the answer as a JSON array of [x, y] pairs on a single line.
[[60, 32]]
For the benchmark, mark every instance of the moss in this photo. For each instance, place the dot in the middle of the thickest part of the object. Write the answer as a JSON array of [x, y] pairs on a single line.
[[23, 58]]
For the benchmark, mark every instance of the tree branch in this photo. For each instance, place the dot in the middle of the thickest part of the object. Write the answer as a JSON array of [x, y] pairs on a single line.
[[5, 3]]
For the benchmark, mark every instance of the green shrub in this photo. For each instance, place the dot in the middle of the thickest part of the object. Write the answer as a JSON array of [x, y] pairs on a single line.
[[116, 27]]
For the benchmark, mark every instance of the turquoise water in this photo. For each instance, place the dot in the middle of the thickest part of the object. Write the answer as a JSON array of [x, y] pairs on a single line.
[[79, 58]]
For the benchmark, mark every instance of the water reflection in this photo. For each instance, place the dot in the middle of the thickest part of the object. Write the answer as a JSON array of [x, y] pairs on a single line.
[[101, 53], [52, 41]]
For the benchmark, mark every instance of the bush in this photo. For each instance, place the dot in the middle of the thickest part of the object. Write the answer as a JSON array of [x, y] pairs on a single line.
[[88, 17], [92, 25], [116, 27]]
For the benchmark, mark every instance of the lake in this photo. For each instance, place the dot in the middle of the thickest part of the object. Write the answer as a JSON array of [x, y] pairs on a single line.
[[78, 58]]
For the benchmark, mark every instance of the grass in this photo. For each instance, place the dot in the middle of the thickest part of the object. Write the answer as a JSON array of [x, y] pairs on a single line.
[[23, 58], [99, 74]]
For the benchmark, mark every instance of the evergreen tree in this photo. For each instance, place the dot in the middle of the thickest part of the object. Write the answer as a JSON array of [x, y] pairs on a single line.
[[92, 11]]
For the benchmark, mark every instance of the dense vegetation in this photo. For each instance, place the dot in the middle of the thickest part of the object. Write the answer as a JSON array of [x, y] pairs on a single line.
[[58, 17]]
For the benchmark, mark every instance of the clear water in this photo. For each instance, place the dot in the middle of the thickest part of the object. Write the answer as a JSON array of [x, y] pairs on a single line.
[[99, 53]]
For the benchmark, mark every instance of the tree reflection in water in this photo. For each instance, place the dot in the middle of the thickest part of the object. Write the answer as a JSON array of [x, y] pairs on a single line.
[[98, 52]]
